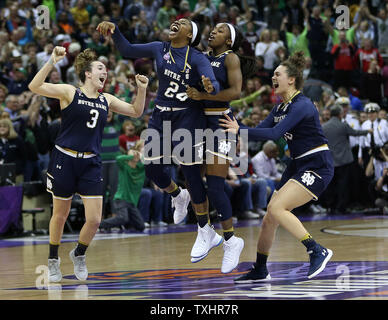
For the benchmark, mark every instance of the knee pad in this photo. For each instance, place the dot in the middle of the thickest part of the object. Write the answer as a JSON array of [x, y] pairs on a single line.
[[194, 183]]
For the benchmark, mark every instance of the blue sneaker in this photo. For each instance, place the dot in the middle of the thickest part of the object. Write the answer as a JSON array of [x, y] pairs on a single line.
[[256, 274], [319, 257]]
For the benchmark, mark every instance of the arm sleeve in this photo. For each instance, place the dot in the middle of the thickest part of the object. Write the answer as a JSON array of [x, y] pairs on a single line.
[[351, 132], [205, 69], [123, 159], [261, 132], [129, 50]]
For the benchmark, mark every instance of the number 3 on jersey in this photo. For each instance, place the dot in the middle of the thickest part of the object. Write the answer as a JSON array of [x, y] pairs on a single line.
[[172, 91], [93, 121]]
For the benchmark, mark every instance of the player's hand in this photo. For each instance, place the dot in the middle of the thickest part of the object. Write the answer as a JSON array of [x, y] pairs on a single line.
[[141, 81], [106, 28], [58, 54], [230, 125], [193, 93], [207, 84]]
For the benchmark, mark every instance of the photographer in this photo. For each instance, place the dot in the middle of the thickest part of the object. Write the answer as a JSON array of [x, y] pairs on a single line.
[[372, 143], [378, 166]]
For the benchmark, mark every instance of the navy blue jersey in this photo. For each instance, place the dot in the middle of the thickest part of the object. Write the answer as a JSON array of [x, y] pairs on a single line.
[[82, 124], [220, 71], [177, 68], [297, 121]]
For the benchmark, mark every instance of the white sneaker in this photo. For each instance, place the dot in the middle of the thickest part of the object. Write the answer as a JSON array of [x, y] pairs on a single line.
[[55, 274], [232, 251], [80, 270], [207, 238], [180, 202]]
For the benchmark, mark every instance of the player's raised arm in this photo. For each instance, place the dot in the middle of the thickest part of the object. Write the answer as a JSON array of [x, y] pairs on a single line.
[[58, 91], [132, 110], [127, 49]]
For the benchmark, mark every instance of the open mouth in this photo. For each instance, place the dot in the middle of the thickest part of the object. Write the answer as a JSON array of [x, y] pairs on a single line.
[[211, 38], [275, 85], [102, 80], [174, 28]]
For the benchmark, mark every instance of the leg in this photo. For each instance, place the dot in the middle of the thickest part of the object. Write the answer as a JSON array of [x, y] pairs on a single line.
[[216, 174], [61, 209], [157, 199], [144, 204], [93, 213], [121, 215], [134, 217]]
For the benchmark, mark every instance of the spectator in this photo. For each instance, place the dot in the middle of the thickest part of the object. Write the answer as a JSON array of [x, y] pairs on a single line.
[[131, 179], [3, 95], [128, 139], [376, 170], [110, 150], [296, 40], [371, 144], [80, 14], [343, 54], [373, 83], [11, 146], [337, 134], [165, 15], [267, 48], [264, 164]]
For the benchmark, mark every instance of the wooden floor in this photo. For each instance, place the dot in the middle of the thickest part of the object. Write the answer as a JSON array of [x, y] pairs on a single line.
[[156, 265]]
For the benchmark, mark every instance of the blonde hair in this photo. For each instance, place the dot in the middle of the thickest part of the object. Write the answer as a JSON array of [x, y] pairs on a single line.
[[12, 134]]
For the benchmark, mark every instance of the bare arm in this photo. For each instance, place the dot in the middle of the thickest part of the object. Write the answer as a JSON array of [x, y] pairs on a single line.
[[232, 63], [136, 109], [63, 92]]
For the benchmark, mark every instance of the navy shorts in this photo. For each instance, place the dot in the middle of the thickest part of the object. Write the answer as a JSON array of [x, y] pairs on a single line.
[[223, 144], [177, 136], [313, 172], [67, 175]]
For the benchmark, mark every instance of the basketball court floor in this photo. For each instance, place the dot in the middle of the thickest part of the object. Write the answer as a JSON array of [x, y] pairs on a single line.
[[155, 265]]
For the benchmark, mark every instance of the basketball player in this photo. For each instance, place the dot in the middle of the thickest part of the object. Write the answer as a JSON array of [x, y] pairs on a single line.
[[178, 66], [305, 178], [224, 40], [75, 164]]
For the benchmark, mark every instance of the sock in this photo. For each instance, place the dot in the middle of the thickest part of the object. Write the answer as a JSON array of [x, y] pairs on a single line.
[[308, 242], [53, 251], [176, 191], [228, 233], [261, 259], [80, 250], [202, 218]]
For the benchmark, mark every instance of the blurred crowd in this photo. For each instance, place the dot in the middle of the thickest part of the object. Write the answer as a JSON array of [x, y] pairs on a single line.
[[346, 66]]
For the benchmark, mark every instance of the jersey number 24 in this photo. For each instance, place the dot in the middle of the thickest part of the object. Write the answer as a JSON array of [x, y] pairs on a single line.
[[172, 90]]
